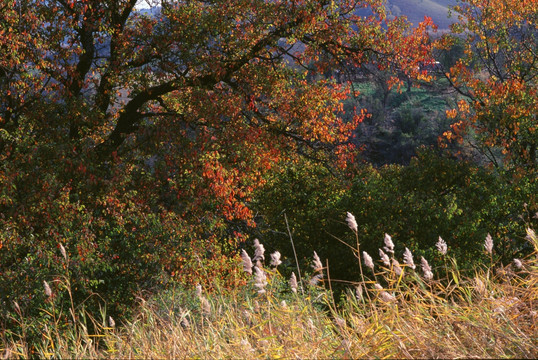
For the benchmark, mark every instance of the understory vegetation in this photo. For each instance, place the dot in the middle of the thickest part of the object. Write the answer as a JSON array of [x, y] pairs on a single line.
[[397, 309]]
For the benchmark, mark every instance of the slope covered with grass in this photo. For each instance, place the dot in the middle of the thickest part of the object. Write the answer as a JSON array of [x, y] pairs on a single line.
[[397, 309]]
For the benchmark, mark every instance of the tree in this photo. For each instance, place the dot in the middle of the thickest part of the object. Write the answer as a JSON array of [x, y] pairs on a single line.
[[496, 78], [129, 136]]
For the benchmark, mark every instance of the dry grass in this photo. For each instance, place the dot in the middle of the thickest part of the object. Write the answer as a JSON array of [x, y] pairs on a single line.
[[481, 315]]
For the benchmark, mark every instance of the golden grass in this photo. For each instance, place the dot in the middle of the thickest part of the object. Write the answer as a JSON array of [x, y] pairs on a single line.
[[481, 315]]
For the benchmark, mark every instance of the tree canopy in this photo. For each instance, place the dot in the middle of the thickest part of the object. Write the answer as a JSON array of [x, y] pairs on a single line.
[[136, 140], [210, 87]]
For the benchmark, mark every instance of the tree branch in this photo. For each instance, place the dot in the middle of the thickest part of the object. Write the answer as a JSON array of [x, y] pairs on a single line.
[[130, 115]]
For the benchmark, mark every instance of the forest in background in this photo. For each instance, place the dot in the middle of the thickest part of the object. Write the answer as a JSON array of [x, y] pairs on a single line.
[[153, 149]]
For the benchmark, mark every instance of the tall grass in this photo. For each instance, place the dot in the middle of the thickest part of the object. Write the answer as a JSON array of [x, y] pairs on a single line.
[[393, 311]]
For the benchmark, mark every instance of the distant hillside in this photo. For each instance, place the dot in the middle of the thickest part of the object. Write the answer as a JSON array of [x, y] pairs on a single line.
[[415, 10]]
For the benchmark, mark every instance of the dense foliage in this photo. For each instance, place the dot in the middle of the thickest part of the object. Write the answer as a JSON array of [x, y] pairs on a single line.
[[136, 141], [151, 146], [432, 197]]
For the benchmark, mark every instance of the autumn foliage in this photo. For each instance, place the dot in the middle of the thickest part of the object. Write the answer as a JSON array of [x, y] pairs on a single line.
[[496, 78], [142, 150], [137, 141]]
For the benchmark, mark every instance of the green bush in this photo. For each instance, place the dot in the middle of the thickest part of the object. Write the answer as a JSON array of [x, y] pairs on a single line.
[[433, 196]]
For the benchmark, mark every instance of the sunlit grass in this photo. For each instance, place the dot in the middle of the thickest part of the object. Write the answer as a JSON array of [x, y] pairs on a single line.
[[487, 313]]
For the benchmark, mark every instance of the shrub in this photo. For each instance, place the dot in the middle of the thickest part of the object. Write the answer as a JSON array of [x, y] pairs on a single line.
[[433, 196]]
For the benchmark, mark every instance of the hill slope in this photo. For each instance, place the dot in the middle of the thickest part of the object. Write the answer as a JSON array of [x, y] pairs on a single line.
[[415, 10]]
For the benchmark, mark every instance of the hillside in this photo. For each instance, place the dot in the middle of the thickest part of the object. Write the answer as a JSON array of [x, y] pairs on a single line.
[[415, 10]]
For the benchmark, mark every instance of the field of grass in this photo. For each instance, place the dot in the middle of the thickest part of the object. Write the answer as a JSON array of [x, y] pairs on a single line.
[[396, 310]]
